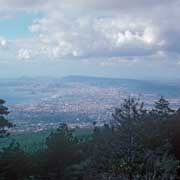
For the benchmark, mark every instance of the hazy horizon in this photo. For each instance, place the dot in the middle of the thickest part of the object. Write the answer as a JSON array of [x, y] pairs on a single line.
[[148, 79]]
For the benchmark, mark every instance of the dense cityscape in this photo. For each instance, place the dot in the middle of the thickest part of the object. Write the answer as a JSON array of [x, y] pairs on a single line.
[[78, 101]]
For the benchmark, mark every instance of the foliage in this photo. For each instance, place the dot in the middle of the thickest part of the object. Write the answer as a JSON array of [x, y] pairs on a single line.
[[137, 145], [4, 123], [62, 152], [162, 109], [15, 164], [140, 144]]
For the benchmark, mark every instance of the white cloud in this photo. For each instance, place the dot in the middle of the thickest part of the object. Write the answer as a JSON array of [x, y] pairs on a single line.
[[93, 36], [24, 54], [3, 42], [110, 62], [120, 4], [103, 28]]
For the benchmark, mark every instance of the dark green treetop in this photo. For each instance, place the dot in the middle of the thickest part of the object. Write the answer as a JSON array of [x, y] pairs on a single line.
[[4, 123], [162, 108]]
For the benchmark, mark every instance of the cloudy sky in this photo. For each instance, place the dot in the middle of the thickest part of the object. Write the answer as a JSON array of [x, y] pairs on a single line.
[[111, 38]]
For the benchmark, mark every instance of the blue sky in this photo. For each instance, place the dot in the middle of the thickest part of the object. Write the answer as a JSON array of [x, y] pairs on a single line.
[[98, 38], [17, 26]]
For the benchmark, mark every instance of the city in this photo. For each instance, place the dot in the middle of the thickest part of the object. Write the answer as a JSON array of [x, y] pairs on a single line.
[[78, 101]]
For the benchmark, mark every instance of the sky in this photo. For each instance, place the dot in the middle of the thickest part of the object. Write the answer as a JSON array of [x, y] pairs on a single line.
[[136, 39]]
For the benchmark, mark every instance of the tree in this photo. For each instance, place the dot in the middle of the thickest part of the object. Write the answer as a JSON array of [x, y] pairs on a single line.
[[63, 151], [4, 123], [162, 109], [159, 123], [15, 164], [175, 138], [129, 118], [116, 149], [134, 147], [175, 134]]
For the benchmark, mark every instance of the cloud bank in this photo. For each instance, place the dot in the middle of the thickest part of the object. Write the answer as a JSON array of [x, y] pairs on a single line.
[[96, 29]]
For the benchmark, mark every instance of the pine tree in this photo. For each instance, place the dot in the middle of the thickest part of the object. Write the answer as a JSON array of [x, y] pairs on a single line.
[[162, 108], [4, 123], [161, 120], [129, 118]]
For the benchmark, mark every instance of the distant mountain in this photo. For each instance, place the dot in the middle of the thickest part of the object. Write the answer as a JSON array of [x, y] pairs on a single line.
[[131, 85], [167, 89]]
